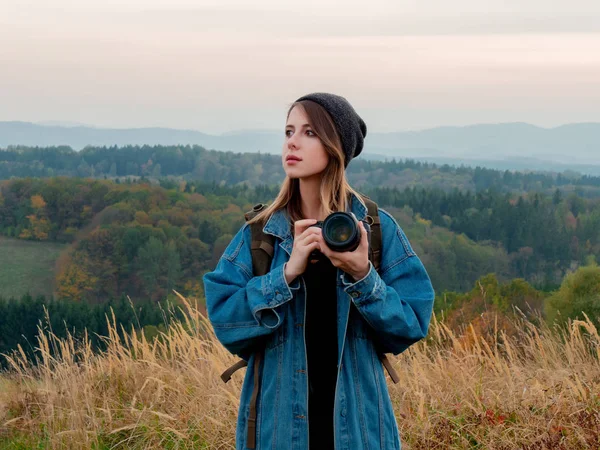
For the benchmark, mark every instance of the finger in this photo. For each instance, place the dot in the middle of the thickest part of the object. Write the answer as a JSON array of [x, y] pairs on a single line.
[[304, 221], [308, 239], [301, 225], [310, 231], [365, 237], [327, 251], [311, 247]]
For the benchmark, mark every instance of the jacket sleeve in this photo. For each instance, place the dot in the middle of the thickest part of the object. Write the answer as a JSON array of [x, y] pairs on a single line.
[[398, 301], [243, 308]]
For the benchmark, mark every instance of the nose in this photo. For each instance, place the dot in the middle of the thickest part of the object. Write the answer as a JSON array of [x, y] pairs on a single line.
[[291, 142]]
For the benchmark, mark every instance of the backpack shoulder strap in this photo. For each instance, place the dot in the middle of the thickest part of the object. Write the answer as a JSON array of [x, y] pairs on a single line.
[[262, 243], [373, 220], [375, 257]]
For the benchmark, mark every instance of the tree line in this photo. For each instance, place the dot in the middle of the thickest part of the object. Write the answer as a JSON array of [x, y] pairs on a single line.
[[196, 163], [22, 318], [544, 235]]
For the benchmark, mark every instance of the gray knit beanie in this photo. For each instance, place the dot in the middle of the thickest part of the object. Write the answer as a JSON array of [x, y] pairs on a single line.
[[351, 128]]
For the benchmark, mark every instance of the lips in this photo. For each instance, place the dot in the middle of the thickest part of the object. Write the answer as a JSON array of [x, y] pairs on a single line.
[[293, 158]]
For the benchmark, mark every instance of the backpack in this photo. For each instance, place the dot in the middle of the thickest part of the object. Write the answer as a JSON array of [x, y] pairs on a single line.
[[262, 248]]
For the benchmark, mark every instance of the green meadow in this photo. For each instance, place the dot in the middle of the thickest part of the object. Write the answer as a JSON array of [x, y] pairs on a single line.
[[27, 266]]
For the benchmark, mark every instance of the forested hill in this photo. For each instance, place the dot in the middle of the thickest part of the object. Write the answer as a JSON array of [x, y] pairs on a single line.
[[144, 240], [196, 163]]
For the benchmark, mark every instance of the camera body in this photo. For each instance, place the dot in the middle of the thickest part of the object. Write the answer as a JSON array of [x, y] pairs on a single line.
[[341, 232]]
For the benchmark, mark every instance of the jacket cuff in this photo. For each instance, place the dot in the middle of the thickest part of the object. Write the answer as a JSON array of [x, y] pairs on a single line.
[[361, 291], [294, 285], [275, 292]]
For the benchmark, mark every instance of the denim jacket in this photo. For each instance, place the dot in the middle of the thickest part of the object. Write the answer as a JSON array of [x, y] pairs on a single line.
[[387, 310]]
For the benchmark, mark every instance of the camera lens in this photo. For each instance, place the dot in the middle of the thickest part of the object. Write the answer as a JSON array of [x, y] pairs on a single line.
[[339, 229], [341, 232]]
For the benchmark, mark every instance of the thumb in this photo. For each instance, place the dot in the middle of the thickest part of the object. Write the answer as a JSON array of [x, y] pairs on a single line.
[[364, 236]]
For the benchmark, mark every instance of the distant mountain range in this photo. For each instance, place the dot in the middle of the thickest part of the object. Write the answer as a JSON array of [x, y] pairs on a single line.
[[506, 145]]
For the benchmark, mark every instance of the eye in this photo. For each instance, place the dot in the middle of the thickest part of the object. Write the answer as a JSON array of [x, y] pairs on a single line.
[[312, 133], [287, 131]]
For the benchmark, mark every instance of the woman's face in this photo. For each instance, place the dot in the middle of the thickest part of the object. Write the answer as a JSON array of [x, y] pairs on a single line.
[[309, 156]]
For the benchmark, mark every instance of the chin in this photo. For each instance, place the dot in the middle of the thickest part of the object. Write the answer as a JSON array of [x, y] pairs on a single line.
[[292, 173]]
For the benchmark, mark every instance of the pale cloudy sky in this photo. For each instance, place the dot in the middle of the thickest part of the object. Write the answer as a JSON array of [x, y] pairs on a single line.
[[223, 65]]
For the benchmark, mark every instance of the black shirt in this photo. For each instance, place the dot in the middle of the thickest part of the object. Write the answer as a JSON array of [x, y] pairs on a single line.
[[322, 350]]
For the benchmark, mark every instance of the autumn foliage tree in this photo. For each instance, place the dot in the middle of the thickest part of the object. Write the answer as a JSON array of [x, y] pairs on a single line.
[[38, 227]]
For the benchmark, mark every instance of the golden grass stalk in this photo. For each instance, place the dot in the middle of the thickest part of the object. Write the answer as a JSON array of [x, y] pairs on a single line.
[[538, 389]]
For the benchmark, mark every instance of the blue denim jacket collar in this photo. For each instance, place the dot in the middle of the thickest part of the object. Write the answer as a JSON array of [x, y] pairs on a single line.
[[279, 223]]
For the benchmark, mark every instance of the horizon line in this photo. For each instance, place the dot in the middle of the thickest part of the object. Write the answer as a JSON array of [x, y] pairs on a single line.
[[70, 124]]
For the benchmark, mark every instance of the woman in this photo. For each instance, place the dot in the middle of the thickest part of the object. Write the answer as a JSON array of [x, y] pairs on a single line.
[[320, 321]]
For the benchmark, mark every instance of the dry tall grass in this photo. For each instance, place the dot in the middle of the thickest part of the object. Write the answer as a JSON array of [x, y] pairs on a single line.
[[537, 390]]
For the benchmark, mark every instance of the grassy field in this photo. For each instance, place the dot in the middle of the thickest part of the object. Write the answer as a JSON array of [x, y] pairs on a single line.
[[27, 266], [537, 390]]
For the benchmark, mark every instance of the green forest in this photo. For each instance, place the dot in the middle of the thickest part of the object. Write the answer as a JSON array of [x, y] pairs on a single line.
[[145, 239], [140, 222], [228, 168], [21, 320]]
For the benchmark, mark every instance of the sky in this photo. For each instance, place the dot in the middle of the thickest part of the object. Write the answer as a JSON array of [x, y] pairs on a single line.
[[224, 65]]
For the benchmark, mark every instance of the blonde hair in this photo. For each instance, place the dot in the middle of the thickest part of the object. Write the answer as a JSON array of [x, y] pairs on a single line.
[[335, 190]]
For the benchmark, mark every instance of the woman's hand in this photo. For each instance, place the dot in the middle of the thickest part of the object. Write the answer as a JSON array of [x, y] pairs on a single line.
[[306, 239], [355, 263]]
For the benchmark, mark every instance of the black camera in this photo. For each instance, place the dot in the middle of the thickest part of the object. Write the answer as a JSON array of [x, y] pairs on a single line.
[[341, 232]]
